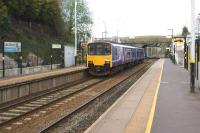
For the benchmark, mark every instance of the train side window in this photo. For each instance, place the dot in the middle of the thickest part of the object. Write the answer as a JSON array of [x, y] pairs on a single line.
[[114, 52], [128, 54]]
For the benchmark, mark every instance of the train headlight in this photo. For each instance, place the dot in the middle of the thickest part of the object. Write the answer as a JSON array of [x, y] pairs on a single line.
[[90, 62], [107, 62]]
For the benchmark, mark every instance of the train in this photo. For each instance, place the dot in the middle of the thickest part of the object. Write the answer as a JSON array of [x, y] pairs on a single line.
[[105, 58]]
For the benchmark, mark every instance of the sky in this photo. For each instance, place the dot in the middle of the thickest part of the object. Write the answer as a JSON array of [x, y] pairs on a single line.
[[140, 17]]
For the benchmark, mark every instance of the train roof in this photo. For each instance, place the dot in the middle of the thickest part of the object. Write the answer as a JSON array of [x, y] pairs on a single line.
[[116, 44], [123, 45]]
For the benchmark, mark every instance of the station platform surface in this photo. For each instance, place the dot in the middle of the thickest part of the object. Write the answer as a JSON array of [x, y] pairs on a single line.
[[39, 75], [159, 102], [177, 109]]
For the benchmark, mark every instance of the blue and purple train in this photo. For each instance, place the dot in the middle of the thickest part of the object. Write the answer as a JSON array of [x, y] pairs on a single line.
[[105, 57]]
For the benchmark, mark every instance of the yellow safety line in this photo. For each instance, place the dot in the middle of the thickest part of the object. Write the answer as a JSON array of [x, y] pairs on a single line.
[[151, 116]]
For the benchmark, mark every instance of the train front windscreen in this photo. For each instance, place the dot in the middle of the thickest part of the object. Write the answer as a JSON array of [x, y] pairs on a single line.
[[99, 49]]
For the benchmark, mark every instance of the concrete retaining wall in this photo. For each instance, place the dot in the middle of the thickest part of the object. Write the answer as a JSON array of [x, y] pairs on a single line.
[[27, 70], [24, 89]]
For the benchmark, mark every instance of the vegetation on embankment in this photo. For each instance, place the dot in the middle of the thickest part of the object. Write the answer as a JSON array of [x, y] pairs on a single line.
[[39, 23]]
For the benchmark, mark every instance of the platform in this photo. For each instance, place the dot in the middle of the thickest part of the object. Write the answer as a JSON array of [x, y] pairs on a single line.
[[130, 113], [35, 84], [39, 75], [177, 109]]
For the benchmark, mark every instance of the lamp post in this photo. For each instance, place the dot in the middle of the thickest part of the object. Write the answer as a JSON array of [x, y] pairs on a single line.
[[75, 36], [172, 35], [105, 30], [192, 48]]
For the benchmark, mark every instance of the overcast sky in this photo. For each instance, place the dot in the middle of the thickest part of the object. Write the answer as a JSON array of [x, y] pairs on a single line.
[[140, 17]]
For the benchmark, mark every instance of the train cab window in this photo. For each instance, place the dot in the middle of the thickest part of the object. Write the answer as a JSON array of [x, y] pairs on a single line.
[[91, 49], [99, 49], [107, 49]]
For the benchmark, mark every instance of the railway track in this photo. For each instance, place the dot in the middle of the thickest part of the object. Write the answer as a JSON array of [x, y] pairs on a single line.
[[49, 111], [12, 112]]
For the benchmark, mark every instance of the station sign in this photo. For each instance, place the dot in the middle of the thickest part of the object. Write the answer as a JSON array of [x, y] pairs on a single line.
[[56, 46], [83, 45], [12, 47]]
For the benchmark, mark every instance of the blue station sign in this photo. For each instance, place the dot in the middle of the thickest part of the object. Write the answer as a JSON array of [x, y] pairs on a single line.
[[12, 47]]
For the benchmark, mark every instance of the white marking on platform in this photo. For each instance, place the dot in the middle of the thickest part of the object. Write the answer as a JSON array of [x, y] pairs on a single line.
[[8, 128], [66, 101], [43, 112], [27, 119], [60, 103], [25, 107], [5, 118], [46, 98], [37, 103], [10, 114], [33, 105], [50, 108], [36, 115], [18, 123], [42, 100], [66, 91], [51, 96], [69, 99], [17, 110]]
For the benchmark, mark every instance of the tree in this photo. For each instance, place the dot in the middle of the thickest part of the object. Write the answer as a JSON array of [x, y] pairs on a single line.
[[84, 20], [45, 12], [50, 14], [56, 15], [4, 20], [185, 31]]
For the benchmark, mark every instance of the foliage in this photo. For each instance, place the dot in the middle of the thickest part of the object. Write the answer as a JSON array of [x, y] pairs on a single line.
[[39, 23], [4, 20], [48, 12], [185, 31], [38, 11], [84, 21]]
